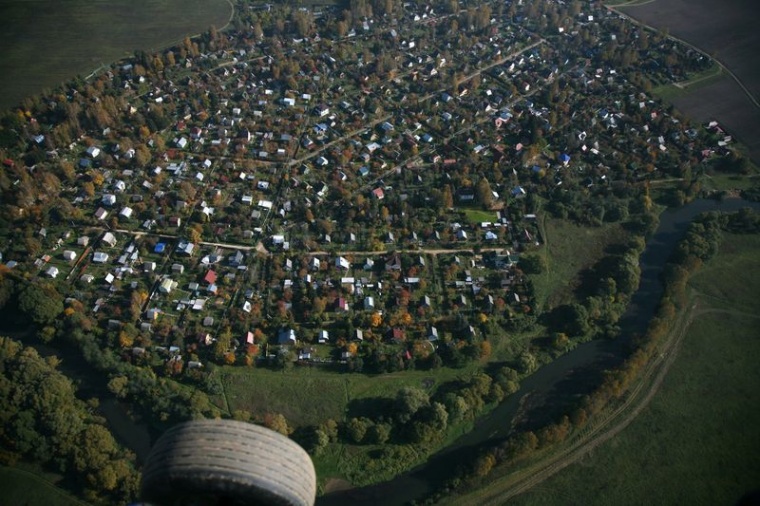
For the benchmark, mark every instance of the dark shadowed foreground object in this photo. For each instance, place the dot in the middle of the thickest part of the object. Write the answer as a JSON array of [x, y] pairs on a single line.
[[225, 462]]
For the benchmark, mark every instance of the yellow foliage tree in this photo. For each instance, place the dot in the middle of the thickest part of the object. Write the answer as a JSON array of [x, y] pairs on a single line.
[[485, 349], [125, 340]]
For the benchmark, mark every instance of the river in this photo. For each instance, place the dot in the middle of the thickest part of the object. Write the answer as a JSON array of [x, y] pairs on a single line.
[[569, 376]]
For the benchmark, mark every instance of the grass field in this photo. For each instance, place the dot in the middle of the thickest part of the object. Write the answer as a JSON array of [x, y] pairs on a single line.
[[730, 182], [733, 279], [308, 396], [46, 42], [479, 216], [697, 442], [670, 92], [568, 249], [21, 487]]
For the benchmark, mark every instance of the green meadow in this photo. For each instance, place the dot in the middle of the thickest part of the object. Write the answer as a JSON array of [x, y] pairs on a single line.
[[21, 487], [697, 442]]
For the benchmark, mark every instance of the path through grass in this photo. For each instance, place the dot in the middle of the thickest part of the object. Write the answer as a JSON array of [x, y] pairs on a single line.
[[696, 442]]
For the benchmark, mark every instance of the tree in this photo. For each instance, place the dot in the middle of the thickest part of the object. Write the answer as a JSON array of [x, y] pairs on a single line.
[[379, 433], [408, 401], [484, 193], [40, 303], [313, 439], [532, 263], [356, 429], [277, 422], [483, 465]]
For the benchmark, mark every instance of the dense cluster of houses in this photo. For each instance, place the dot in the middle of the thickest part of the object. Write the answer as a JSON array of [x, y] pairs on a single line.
[[286, 160]]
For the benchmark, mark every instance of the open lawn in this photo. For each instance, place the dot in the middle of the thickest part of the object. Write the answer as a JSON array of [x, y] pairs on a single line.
[[697, 442], [670, 92], [310, 395], [726, 30], [479, 216], [22, 487], [47, 42], [732, 279], [728, 182], [568, 249]]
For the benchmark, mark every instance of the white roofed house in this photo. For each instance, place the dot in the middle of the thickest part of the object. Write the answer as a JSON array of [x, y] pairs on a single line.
[[126, 213], [109, 239], [101, 214], [167, 285], [99, 257], [185, 247], [342, 263], [52, 271]]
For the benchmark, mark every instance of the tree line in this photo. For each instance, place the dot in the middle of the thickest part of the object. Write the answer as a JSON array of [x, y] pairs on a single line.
[[700, 243], [42, 419]]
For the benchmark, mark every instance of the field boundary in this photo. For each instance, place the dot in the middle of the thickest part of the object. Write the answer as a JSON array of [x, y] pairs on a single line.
[[615, 9]]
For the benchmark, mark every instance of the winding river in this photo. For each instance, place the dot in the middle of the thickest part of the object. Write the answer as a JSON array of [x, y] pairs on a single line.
[[570, 375], [537, 400]]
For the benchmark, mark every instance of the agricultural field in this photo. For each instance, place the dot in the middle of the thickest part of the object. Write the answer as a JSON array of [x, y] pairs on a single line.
[[696, 442], [728, 32], [48, 42], [724, 100], [23, 487]]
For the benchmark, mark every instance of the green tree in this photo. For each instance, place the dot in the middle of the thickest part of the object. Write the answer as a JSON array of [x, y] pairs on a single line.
[[356, 429], [532, 263], [40, 303], [408, 401], [379, 433], [484, 193]]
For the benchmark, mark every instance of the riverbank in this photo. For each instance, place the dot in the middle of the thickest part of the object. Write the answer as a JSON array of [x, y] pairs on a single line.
[[613, 420], [557, 379], [695, 442]]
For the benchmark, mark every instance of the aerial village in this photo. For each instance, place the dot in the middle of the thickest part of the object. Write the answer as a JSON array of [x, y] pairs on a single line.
[[338, 186]]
